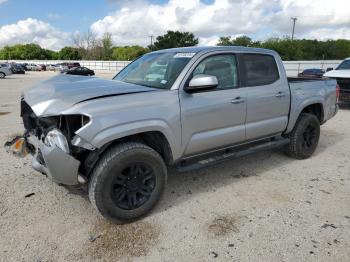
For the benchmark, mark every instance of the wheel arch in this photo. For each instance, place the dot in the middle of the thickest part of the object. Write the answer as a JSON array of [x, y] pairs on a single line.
[[154, 139], [315, 107]]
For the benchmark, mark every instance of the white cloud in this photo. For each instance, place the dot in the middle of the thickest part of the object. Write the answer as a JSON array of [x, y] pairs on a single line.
[[329, 33], [2, 1], [315, 17], [33, 31], [137, 20]]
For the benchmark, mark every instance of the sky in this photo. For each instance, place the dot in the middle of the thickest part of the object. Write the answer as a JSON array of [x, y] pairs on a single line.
[[53, 24]]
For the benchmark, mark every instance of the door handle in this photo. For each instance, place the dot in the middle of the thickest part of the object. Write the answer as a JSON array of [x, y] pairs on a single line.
[[280, 94], [237, 100]]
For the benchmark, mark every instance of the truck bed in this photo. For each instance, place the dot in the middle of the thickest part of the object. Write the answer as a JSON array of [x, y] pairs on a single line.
[[305, 79], [307, 89]]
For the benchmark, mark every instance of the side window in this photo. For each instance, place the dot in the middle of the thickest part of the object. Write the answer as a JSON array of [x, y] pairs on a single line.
[[260, 69], [224, 67]]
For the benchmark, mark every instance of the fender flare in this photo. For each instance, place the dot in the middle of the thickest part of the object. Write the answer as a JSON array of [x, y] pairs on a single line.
[[133, 128], [300, 107]]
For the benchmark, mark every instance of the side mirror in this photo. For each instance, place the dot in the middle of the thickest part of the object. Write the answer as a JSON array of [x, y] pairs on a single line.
[[329, 69], [201, 82]]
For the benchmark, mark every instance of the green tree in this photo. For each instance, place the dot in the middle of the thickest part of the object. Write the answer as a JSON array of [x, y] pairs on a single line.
[[225, 41], [107, 44], [28, 51], [69, 53], [243, 41], [174, 39], [298, 49], [128, 53], [238, 41]]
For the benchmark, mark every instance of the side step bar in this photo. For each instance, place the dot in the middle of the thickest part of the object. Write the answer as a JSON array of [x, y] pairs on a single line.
[[197, 163]]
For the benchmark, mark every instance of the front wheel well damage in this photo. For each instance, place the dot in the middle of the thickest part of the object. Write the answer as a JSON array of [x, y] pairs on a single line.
[[154, 139]]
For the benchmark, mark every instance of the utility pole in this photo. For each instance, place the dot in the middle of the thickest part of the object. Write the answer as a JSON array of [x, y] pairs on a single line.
[[294, 20], [151, 36]]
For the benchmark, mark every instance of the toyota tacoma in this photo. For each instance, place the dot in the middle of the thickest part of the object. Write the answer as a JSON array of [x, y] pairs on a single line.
[[185, 107]]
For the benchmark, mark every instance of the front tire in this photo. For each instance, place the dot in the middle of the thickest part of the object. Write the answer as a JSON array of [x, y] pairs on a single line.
[[2, 75], [304, 137], [127, 182]]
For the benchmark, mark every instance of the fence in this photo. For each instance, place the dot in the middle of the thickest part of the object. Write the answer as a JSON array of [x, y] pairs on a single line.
[[292, 67], [110, 66]]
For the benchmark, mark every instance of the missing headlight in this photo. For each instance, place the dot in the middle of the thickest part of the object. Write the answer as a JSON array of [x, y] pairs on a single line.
[[69, 124]]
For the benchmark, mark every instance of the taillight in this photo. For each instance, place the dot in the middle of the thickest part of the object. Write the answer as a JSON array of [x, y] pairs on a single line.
[[337, 92]]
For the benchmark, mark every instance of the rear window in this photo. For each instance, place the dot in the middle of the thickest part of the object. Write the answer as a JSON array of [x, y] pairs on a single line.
[[259, 69]]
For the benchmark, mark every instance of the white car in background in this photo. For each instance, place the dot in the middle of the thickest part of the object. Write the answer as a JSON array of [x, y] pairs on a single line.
[[62, 67], [5, 70], [33, 67], [342, 74], [50, 67]]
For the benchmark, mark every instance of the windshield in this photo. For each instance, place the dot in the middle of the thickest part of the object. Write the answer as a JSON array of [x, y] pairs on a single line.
[[345, 65], [157, 70]]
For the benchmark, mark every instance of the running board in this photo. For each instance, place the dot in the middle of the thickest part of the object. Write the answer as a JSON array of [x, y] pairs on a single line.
[[197, 163]]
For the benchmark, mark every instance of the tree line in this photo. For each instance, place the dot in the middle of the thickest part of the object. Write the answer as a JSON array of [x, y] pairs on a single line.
[[89, 47]]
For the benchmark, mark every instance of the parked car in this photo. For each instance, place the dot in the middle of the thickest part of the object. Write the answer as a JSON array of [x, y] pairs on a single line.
[[342, 75], [51, 67], [72, 65], [5, 70], [42, 67], [83, 71], [25, 66], [33, 67], [62, 67], [17, 69], [211, 104], [313, 73]]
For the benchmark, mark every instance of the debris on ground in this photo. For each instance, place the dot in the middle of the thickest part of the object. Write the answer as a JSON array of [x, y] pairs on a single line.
[[93, 238], [214, 254], [329, 225], [29, 195]]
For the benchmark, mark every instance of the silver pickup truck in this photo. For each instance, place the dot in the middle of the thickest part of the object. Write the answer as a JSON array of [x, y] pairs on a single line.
[[185, 107]]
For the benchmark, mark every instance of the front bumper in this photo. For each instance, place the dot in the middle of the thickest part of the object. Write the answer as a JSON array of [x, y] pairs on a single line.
[[59, 166]]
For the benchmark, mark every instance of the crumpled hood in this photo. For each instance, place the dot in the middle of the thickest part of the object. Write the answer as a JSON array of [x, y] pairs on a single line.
[[60, 92], [338, 73]]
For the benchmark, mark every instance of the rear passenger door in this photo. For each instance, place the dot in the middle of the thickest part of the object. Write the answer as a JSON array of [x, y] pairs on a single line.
[[268, 96]]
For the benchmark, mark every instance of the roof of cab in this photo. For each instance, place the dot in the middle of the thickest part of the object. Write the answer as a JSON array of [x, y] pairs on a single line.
[[205, 49]]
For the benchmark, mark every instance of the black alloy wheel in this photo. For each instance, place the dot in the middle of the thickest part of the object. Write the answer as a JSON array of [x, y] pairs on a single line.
[[132, 187]]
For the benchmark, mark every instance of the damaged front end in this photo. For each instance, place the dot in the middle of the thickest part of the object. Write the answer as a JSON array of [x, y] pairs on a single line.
[[57, 150]]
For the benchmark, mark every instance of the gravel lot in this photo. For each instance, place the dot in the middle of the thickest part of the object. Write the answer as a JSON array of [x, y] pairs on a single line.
[[264, 207]]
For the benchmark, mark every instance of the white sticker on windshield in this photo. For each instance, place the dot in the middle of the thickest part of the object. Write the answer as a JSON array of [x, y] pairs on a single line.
[[184, 55], [163, 82]]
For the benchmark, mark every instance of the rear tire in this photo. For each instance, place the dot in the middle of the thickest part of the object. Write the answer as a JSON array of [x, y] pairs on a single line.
[[304, 137], [127, 182], [2, 75]]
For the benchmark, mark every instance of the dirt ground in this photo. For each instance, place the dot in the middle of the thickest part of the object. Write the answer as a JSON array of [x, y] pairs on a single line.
[[264, 207]]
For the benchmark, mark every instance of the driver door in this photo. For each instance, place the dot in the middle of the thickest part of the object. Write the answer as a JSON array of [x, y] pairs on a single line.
[[216, 118]]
